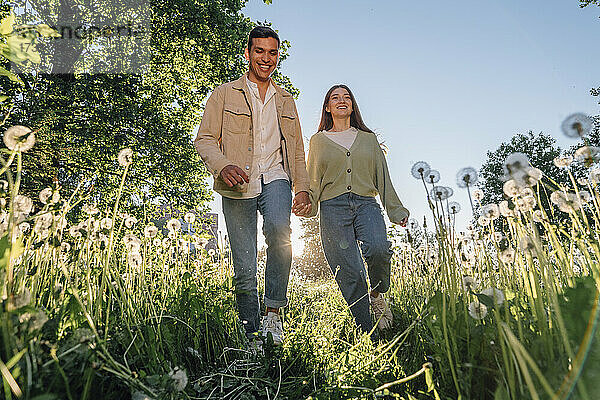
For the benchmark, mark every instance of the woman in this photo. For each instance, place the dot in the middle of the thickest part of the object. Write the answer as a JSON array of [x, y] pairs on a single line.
[[347, 169]]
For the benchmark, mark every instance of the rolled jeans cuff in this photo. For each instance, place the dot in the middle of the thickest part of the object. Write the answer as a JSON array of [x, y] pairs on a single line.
[[275, 303]]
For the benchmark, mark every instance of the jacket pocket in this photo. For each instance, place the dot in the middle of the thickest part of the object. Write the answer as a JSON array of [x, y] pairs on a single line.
[[236, 119]]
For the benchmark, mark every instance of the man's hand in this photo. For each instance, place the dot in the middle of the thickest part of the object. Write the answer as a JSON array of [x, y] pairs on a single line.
[[301, 205], [403, 222], [233, 175]]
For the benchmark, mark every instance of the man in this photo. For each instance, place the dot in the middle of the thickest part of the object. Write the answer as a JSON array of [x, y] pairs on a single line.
[[250, 140]]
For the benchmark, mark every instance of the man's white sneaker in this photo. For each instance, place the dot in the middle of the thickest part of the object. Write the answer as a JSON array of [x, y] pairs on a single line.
[[382, 312], [271, 323]]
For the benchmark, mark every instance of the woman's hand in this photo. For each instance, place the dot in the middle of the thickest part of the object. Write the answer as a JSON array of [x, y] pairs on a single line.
[[403, 222], [301, 205]]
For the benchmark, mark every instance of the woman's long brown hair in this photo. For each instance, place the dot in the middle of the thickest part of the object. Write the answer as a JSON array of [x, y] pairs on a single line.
[[355, 118]]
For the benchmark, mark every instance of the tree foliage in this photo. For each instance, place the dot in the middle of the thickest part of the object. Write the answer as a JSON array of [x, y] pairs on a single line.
[[83, 120]]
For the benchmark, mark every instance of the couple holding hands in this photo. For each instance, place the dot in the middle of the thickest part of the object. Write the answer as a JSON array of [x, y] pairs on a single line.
[[250, 140]]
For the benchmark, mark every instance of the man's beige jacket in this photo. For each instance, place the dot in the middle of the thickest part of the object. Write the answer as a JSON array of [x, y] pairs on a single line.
[[226, 135]]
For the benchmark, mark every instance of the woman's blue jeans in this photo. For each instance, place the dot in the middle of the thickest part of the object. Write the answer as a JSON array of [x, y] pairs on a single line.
[[347, 221], [274, 204]]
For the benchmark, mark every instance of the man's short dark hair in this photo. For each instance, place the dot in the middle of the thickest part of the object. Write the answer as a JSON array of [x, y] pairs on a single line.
[[262, 32]]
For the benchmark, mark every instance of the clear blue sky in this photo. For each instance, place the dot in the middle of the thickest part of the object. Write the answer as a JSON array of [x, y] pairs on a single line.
[[441, 81]]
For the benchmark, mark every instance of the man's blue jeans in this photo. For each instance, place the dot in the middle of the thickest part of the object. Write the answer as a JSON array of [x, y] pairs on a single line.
[[346, 221], [274, 204]]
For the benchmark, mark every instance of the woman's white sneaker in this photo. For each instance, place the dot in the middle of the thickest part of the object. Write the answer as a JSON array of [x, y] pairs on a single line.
[[271, 323], [382, 312]]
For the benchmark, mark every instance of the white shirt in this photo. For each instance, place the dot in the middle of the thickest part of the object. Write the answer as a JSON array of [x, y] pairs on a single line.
[[267, 160], [343, 138]]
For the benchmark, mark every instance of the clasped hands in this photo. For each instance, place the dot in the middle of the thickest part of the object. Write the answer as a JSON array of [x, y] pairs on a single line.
[[233, 175]]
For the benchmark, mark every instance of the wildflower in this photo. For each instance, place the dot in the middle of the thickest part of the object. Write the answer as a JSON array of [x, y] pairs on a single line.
[[156, 242], [453, 207], [515, 163], [528, 177], [538, 216], [65, 247], [22, 204], [179, 379], [173, 225], [477, 310], [19, 138], [189, 218], [125, 157], [432, 176], [478, 194], [527, 245], [132, 243], [483, 221], [466, 177], [75, 231], [511, 189], [90, 209], [577, 125], [134, 260], [24, 227], [587, 154], [527, 191], [584, 196], [440, 193], [594, 175], [490, 211], [563, 161], [507, 255], [526, 203], [130, 221], [106, 223], [583, 181], [469, 283], [494, 294], [420, 169], [150, 231]]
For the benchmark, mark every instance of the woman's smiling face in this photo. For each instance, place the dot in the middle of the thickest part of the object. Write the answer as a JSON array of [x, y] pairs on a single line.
[[339, 104]]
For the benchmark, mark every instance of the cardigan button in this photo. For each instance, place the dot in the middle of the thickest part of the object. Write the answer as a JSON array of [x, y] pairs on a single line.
[[348, 154], [348, 170], [349, 187]]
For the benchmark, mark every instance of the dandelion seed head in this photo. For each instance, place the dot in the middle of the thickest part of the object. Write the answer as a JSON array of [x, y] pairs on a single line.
[[90, 209], [466, 177], [172, 235], [130, 221], [19, 138], [577, 125], [125, 157], [490, 211], [150, 231], [420, 169], [498, 236], [440, 193], [584, 196], [514, 163], [526, 244], [588, 155], [211, 252], [495, 294], [538, 216], [189, 218], [563, 161], [510, 188], [23, 204], [477, 310], [433, 176], [106, 223], [132, 243], [174, 224], [469, 283], [478, 194], [507, 256], [157, 242], [179, 379], [453, 207], [24, 227], [483, 221]]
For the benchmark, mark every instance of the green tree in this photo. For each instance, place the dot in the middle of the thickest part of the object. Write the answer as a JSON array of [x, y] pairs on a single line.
[[83, 120]]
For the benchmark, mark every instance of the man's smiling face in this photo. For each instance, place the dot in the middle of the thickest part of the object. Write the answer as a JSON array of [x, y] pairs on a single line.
[[262, 58]]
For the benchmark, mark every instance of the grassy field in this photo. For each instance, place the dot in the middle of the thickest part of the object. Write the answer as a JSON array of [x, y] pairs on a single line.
[[101, 304]]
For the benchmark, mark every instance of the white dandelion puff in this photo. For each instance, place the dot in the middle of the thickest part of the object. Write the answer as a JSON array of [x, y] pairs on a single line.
[[420, 169], [507, 256], [130, 221], [19, 138], [466, 177], [478, 194], [179, 379], [563, 161], [477, 310], [189, 218], [577, 125], [174, 224], [469, 283], [150, 231], [495, 294], [490, 211]]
